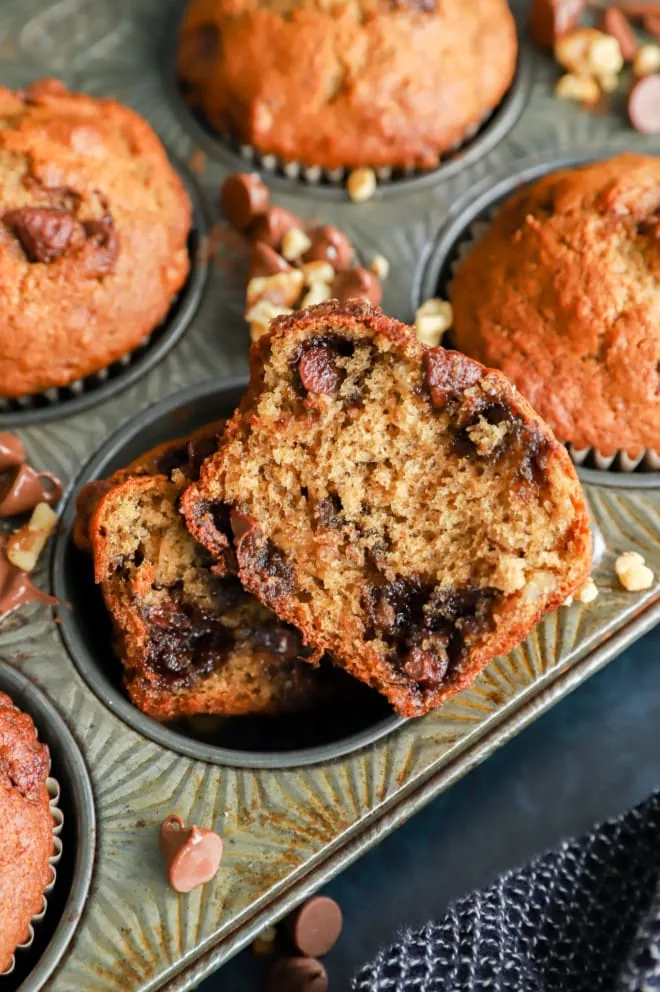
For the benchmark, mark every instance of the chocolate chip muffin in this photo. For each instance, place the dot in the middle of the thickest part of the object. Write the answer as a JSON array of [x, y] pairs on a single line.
[[190, 641], [562, 293], [93, 235], [360, 83], [26, 836], [401, 505]]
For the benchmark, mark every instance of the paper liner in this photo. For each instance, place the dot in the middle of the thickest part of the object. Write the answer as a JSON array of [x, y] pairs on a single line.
[[58, 822], [619, 461]]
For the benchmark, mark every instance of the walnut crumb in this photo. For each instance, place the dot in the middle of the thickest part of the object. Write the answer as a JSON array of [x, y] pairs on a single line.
[[633, 573]]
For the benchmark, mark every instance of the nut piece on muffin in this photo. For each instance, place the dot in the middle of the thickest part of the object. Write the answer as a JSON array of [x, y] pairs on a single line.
[[402, 506], [562, 293], [26, 837], [360, 83], [93, 235]]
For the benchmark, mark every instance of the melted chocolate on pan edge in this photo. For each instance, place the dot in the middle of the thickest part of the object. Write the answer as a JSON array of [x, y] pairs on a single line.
[[16, 587]]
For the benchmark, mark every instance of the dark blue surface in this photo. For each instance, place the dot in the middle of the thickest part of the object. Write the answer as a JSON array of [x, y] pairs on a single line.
[[596, 753]]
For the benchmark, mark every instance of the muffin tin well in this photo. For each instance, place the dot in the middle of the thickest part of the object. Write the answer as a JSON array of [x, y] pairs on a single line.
[[93, 389], [54, 932], [438, 264], [258, 742], [304, 180]]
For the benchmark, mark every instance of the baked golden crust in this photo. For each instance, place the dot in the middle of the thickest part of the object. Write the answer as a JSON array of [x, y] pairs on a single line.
[[26, 838], [366, 82], [93, 235], [403, 507], [562, 293]]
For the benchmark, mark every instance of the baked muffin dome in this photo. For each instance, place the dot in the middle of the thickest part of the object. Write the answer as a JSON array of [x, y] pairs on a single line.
[[93, 235], [26, 837], [347, 82], [562, 293]]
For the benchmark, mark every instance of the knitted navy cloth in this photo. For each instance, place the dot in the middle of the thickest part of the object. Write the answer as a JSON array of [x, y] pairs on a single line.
[[582, 918]]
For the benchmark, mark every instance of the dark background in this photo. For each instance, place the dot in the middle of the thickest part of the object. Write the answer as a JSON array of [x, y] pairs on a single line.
[[595, 754]]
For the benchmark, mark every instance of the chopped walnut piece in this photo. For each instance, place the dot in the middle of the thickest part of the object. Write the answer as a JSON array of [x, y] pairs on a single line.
[[294, 244], [317, 271], [432, 321], [647, 61], [282, 289], [260, 315], [588, 592], [380, 266], [577, 88], [26, 544], [632, 572], [361, 185]]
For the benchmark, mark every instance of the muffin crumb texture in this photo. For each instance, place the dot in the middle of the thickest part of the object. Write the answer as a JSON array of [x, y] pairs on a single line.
[[402, 506]]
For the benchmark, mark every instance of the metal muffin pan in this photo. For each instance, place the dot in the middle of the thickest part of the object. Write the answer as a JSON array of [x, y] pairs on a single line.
[[254, 742], [66, 902], [93, 389], [329, 183], [286, 830]]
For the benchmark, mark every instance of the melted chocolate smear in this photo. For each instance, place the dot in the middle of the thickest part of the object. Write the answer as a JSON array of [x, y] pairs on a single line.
[[184, 643], [16, 587]]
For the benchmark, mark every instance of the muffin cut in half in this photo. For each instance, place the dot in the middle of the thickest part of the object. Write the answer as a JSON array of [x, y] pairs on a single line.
[[403, 506], [190, 641]]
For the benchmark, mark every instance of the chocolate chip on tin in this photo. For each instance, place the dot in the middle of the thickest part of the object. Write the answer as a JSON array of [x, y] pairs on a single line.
[[329, 244], [192, 855], [243, 198], [297, 975], [615, 23], [644, 105], [549, 19], [12, 451], [271, 227], [265, 261], [316, 926], [22, 488], [357, 284]]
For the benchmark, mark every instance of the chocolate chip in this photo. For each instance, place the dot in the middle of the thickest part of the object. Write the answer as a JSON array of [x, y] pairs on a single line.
[[329, 513], [644, 105], [242, 525], [271, 226], [318, 372], [329, 244], [549, 19], [316, 926], [272, 562], [357, 284], [448, 373], [265, 261], [12, 451], [428, 665], [297, 975], [102, 236], [207, 41], [243, 197], [651, 23], [614, 22], [281, 640], [44, 233]]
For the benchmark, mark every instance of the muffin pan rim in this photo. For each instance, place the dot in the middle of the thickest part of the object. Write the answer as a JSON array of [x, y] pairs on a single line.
[[173, 327], [54, 731], [118, 703], [430, 277], [492, 130]]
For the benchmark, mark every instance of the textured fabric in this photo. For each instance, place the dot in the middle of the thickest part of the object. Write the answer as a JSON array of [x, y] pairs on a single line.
[[582, 918]]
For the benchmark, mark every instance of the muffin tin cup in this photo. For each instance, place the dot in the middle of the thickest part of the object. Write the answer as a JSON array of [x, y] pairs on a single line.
[[301, 178], [58, 822], [62, 401], [72, 811], [468, 223], [248, 742]]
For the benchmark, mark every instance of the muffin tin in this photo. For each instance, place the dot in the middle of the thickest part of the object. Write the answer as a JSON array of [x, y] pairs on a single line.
[[287, 824]]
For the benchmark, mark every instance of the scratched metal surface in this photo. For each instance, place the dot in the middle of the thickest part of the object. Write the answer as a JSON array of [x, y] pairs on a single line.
[[285, 831]]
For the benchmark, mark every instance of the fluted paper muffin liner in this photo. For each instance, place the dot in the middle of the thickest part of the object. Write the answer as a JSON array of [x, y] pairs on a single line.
[[617, 461], [58, 822]]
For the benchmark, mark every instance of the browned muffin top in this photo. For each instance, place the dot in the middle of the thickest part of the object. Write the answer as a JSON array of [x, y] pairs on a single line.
[[562, 294]]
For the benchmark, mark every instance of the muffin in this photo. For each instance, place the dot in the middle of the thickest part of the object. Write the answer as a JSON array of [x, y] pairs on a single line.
[[361, 83], [562, 293], [26, 838], [402, 506], [93, 235]]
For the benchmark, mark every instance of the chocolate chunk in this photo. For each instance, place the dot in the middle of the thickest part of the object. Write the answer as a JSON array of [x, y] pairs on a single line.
[[549, 19], [192, 855], [297, 975], [651, 23], [243, 197], [273, 225], [272, 562], [315, 927], [102, 237], [329, 513], [12, 452], [318, 372], [242, 525], [644, 105], [206, 40], [329, 244], [279, 639], [614, 22], [44, 234], [357, 284], [265, 261], [427, 665], [448, 373]]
